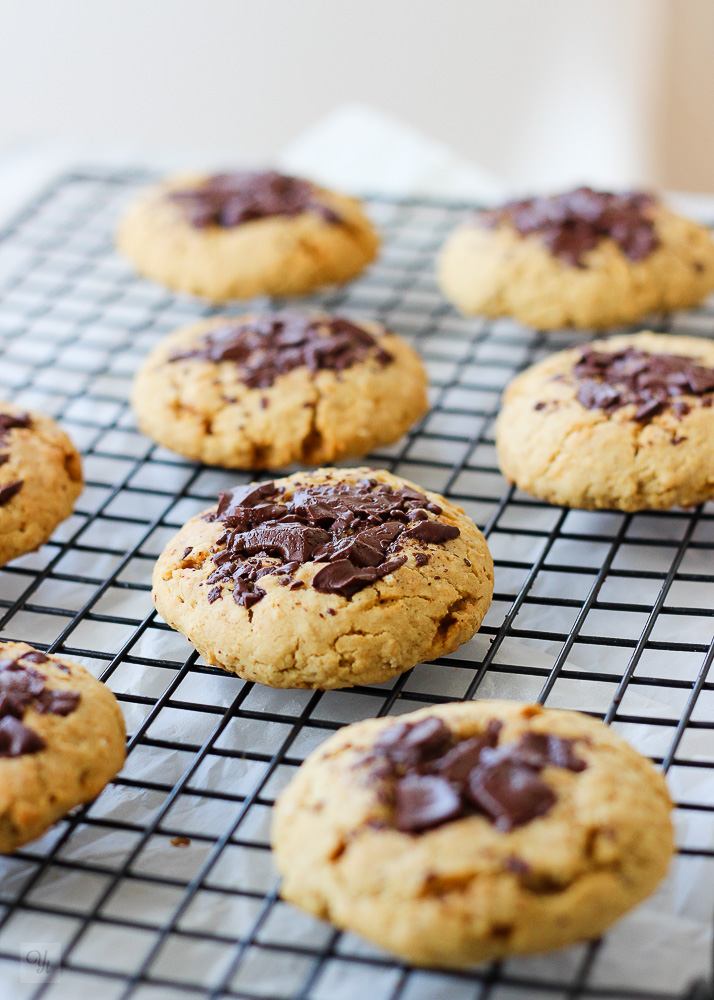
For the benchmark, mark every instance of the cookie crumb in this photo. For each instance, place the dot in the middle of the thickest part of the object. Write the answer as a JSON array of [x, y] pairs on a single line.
[[180, 842]]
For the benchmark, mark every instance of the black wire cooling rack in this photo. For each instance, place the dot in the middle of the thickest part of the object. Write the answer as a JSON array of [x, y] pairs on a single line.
[[163, 888]]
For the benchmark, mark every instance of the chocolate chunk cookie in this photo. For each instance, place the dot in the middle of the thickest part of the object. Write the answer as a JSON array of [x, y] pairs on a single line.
[[233, 236], [625, 423], [584, 258], [271, 389], [467, 832], [326, 580], [61, 740], [40, 478]]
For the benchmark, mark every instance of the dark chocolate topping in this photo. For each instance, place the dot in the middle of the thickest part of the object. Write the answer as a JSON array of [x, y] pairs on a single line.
[[652, 382], [436, 778], [231, 199], [573, 223], [8, 491], [23, 687], [357, 530], [8, 422], [275, 343]]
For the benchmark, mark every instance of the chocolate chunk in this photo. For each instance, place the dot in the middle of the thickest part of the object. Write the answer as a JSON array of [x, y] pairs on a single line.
[[35, 656], [457, 763], [8, 491], [230, 501], [292, 542], [509, 793], [343, 577], [20, 686], [424, 801], [435, 777], [273, 344], [432, 531], [9, 421], [23, 687], [409, 744], [232, 199], [540, 750], [573, 223], [187, 551], [17, 739], [652, 383], [57, 702], [355, 529]]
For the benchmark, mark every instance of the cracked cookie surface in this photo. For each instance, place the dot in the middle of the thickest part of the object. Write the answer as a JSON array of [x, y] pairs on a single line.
[[617, 455], [412, 600], [61, 740], [495, 270], [273, 254], [40, 478], [466, 891], [215, 412]]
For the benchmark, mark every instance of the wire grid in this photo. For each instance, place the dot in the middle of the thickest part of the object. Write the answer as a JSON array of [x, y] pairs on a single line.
[[603, 612]]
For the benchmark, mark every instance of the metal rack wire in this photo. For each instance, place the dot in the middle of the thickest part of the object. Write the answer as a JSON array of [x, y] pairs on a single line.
[[163, 887]]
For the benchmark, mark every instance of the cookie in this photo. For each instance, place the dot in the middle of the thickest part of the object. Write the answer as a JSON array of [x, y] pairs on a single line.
[[585, 259], [325, 580], [40, 478], [233, 236], [473, 831], [272, 389], [61, 740], [625, 424]]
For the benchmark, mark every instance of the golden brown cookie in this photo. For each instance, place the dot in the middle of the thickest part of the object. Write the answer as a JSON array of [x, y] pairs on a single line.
[[40, 478], [271, 389], [584, 258], [473, 831], [61, 740], [233, 236], [325, 580], [626, 423]]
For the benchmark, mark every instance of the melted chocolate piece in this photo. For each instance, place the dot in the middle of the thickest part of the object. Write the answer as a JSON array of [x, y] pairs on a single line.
[[432, 531], [275, 343], [423, 801], [652, 382], [573, 223], [229, 200], [23, 687], [9, 490], [509, 792], [35, 656], [436, 778], [8, 422], [17, 739], [357, 530]]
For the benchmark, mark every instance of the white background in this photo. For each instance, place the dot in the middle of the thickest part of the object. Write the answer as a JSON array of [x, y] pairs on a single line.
[[538, 92]]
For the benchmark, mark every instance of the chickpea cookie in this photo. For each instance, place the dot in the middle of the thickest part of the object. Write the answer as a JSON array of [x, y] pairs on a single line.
[[61, 740], [585, 258], [271, 389], [473, 831], [325, 580], [40, 478], [624, 424], [236, 235]]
